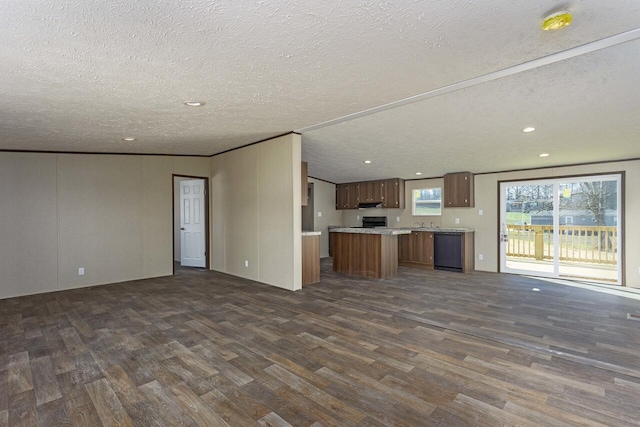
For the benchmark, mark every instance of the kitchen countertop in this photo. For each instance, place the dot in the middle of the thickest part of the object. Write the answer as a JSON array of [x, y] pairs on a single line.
[[378, 230], [333, 228], [437, 229], [311, 233]]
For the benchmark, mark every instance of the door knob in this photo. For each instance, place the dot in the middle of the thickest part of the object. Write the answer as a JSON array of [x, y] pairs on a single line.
[[181, 228]]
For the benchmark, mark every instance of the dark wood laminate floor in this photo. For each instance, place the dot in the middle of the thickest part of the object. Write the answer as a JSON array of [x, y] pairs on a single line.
[[423, 348]]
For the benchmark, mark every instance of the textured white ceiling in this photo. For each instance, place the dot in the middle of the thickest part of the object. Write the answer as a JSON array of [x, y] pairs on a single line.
[[81, 75]]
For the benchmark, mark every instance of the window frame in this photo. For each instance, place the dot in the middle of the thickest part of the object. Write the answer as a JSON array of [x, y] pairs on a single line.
[[413, 201]]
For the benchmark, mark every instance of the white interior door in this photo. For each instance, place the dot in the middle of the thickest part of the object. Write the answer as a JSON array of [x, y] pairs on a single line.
[[192, 223]]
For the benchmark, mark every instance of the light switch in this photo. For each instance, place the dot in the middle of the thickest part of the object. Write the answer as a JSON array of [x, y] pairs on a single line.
[[81, 271], [319, 214], [397, 219], [358, 217], [480, 212], [480, 257], [457, 220]]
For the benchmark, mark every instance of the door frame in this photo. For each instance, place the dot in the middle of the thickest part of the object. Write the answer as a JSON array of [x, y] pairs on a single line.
[[622, 198], [206, 216]]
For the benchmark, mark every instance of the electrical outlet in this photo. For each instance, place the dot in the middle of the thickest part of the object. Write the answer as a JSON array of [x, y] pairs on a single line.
[[480, 257], [319, 214], [480, 212], [246, 263], [358, 217], [81, 271], [457, 220], [397, 219]]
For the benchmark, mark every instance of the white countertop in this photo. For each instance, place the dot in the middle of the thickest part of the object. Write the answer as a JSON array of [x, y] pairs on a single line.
[[311, 233], [339, 229], [379, 230]]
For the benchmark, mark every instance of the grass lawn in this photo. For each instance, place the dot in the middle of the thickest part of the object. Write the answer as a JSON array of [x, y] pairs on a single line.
[[518, 218], [427, 211]]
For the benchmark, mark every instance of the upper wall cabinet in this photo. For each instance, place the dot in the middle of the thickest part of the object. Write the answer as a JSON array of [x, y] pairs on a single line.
[[389, 192], [458, 190], [393, 194], [371, 191], [347, 196], [304, 184]]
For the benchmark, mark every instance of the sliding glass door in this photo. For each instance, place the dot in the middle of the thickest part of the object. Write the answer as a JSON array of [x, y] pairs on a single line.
[[566, 227]]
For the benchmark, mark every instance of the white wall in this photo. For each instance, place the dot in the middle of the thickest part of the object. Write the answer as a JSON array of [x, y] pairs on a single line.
[[255, 212], [324, 201], [110, 214]]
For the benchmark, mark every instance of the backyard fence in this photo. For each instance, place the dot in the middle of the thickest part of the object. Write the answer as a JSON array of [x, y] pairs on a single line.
[[588, 244]]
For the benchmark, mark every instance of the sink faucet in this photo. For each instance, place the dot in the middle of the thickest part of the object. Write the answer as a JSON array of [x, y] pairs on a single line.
[[431, 224], [421, 224]]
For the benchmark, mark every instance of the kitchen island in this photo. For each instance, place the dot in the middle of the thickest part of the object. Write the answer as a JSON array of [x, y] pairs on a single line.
[[369, 252]]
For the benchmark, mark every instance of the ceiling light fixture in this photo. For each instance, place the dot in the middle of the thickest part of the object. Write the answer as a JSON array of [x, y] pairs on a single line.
[[543, 155], [193, 103], [367, 162], [418, 173], [129, 138], [557, 20], [528, 129]]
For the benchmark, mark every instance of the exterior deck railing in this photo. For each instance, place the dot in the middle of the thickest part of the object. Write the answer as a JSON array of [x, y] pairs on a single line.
[[588, 244]]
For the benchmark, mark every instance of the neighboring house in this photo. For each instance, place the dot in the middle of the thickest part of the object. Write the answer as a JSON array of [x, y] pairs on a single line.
[[573, 217]]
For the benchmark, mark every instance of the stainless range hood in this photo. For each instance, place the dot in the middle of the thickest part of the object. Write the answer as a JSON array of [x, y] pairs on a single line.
[[370, 205]]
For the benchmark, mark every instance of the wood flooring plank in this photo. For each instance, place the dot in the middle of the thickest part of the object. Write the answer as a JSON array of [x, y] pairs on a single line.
[[170, 411], [14, 324], [324, 399], [73, 342], [54, 413], [196, 408], [273, 420], [19, 373], [4, 390], [81, 410], [4, 418], [46, 384], [229, 410], [485, 414], [124, 388], [107, 404], [22, 410]]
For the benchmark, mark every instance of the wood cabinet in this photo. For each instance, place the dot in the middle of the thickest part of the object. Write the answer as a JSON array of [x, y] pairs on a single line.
[[363, 254], [347, 196], [371, 191], [310, 259], [393, 196], [458, 190], [416, 249], [389, 192], [304, 183]]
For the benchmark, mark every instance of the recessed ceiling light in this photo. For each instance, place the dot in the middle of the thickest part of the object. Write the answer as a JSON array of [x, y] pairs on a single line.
[[129, 138], [557, 20], [368, 162], [528, 129], [543, 155], [418, 173], [193, 103]]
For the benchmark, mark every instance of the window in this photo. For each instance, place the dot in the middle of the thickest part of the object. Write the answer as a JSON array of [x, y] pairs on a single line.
[[427, 202]]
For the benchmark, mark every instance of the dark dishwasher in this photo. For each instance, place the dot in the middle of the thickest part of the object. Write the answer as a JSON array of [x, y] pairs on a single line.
[[447, 251]]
